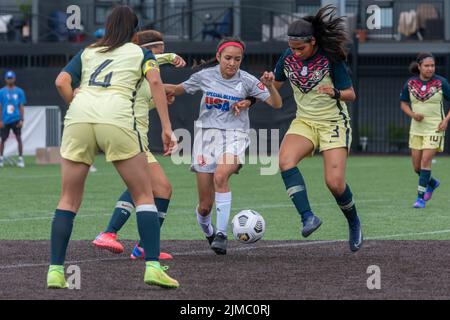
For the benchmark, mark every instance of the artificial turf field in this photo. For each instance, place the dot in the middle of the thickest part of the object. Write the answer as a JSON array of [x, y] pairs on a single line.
[[384, 189]]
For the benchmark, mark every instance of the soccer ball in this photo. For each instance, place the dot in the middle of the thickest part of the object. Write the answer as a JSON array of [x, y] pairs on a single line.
[[248, 226]]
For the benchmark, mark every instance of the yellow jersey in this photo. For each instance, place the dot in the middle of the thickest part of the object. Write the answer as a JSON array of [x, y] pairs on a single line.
[[108, 84]]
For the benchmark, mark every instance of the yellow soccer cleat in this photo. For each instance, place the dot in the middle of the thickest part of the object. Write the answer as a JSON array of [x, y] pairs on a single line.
[[155, 275], [55, 278]]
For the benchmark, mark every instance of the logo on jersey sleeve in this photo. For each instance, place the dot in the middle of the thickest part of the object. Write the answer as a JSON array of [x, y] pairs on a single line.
[[222, 102], [261, 86], [306, 75], [150, 65], [424, 92]]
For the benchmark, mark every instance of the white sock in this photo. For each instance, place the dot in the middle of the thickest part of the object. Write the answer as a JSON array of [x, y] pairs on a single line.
[[205, 223], [223, 207]]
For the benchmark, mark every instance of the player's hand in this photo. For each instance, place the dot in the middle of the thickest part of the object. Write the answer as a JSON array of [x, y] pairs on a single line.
[[443, 125], [169, 142], [178, 62], [326, 89], [1, 124], [418, 117], [20, 124], [170, 99], [240, 105], [268, 78]]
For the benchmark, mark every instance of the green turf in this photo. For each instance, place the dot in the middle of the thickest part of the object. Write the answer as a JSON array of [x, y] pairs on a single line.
[[384, 189]]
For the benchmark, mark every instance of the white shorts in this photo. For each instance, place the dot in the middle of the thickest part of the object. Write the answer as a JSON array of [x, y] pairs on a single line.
[[210, 144]]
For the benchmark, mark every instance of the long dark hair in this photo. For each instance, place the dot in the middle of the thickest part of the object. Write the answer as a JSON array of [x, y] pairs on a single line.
[[414, 66], [213, 61], [121, 26], [330, 32]]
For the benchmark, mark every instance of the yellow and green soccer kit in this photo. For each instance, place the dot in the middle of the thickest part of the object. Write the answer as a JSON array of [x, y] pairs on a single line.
[[426, 98], [108, 84], [144, 103], [321, 119]]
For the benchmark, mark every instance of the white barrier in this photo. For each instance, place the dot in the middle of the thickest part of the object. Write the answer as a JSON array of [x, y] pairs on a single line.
[[41, 128]]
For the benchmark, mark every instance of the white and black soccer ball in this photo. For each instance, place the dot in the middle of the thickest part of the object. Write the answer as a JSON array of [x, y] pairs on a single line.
[[248, 226]]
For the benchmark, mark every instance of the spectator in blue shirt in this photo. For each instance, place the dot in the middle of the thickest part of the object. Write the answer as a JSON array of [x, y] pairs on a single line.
[[12, 101]]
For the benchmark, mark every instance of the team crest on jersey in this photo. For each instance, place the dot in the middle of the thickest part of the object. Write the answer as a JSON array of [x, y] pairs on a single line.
[[306, 75], [424, 92], [261, 86]]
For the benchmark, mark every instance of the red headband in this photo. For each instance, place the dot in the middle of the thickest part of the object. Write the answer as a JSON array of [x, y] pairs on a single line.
[[228, 44]]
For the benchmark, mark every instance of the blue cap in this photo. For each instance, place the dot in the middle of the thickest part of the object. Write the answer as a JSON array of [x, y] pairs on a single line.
[[10, 74]]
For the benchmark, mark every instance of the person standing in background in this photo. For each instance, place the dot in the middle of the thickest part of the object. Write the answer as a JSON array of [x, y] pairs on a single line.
[[12, 101]]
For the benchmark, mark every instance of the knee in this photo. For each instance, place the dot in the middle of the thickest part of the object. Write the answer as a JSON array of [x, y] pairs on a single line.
[[285, 163], [204, 208], [335, 185], [163, 190], [220, 180], [426, 162]]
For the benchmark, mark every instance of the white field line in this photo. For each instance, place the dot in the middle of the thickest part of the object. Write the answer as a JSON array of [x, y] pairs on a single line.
[[243, 248], [174, 207]]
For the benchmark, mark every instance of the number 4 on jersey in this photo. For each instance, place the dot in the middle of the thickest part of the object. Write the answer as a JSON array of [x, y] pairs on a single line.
[[107, 81]]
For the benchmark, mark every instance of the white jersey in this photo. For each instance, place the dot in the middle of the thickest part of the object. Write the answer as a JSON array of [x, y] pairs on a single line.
[[220, 94]]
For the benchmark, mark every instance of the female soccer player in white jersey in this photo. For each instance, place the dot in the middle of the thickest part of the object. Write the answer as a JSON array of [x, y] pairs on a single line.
[[422, 100], [222, 134], [314, 65], [162, 189], [101, 115]]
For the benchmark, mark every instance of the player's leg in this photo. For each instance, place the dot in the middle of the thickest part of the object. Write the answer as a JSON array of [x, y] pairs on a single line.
[[424, 177], [18, 133], [433, 145], [77, 151], [227, 165], [296, 145], [4, 133], [73, 176], [335, 161], [205, 188], [162, 192], [124, 149]]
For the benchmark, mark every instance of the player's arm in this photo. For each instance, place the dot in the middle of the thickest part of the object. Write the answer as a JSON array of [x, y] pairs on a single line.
[[22, 115], [1, 116], [446, 94], [170, 58], [342, 88], [151, 72], [275, 100], [405, 104], [174, 89], [63, 84], [69, 78]]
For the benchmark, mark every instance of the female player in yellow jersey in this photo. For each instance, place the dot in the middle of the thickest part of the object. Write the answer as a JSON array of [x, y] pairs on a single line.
[[102, 115], [314, 65], [422, 100], [162, 189]]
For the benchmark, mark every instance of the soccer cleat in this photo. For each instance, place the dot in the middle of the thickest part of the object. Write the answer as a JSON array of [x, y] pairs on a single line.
[[211, 237], [138, 253], [155, 275], [419, 204], [55, 278], [107, 240], [429, 193], [310, 225], [21, 163], [219, 244], [355, 237]]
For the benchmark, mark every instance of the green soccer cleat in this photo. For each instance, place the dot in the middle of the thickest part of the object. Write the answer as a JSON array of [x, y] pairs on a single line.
[[155, 275], [55, 278]]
